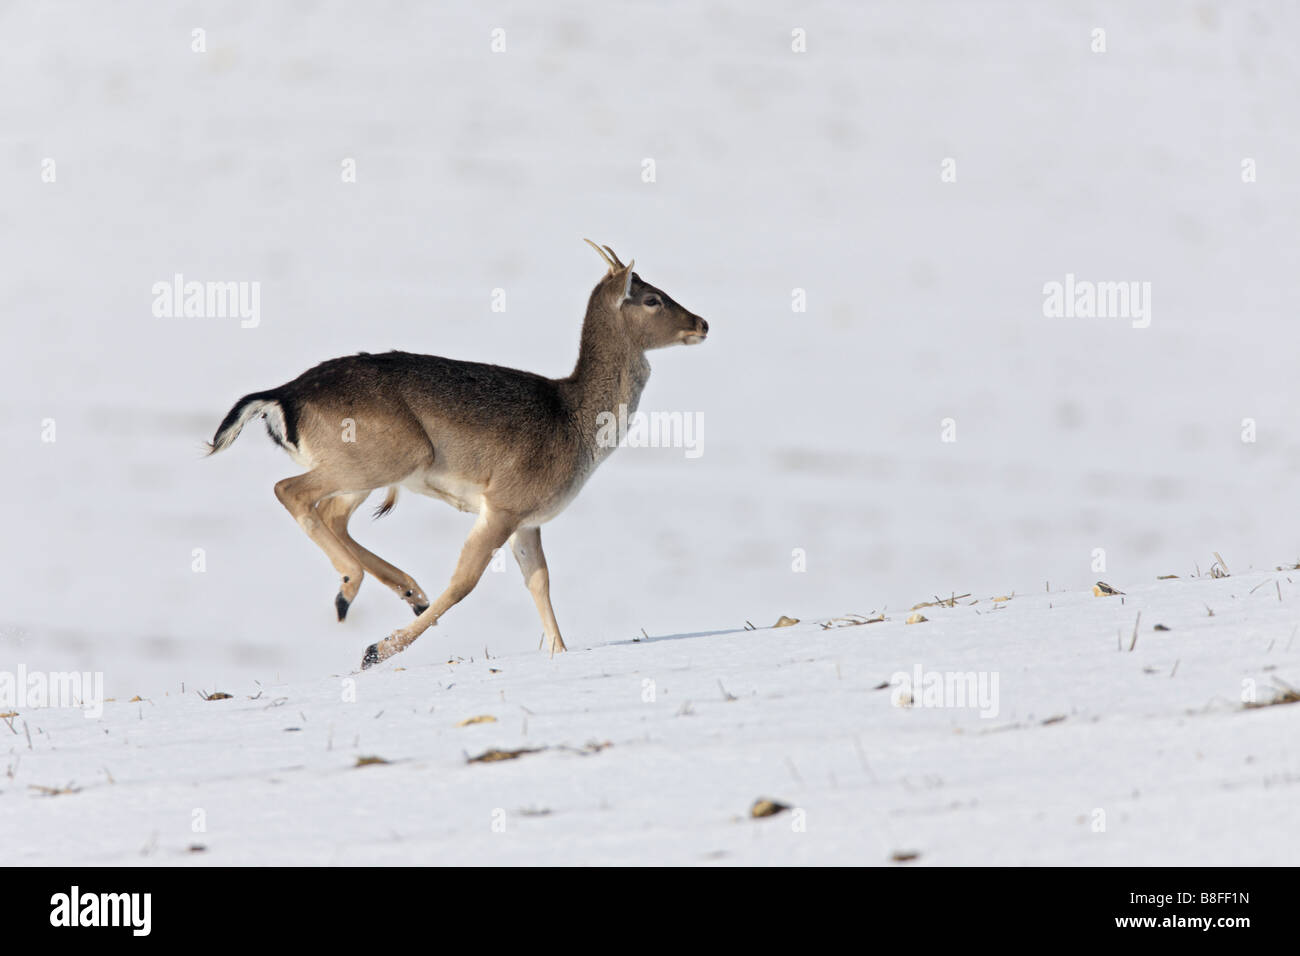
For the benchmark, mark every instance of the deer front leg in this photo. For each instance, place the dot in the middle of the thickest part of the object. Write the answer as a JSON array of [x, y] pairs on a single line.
[[489, 533], [526, 543]]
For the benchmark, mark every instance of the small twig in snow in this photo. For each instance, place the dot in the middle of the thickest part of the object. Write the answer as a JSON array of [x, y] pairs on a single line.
[[862, 758], [793, 771]]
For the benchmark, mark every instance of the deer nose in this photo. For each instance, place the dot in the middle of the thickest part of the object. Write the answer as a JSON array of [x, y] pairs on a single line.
[[702, 325]]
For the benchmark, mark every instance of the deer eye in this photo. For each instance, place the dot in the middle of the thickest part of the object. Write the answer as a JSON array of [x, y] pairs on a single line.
[[651, 301]]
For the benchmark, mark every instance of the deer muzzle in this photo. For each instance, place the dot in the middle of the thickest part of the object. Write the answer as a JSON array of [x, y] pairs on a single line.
[[698, 334]]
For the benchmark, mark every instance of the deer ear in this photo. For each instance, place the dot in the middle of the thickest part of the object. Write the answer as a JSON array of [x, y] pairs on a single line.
[[627, 283]]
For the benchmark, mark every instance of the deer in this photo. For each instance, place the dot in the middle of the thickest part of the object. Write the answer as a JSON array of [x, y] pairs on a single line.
[[512, 447]]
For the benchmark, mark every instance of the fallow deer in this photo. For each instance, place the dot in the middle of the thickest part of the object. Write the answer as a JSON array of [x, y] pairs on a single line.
[[511, 446]]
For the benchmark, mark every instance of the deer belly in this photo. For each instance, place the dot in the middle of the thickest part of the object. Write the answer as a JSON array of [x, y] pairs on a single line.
[[460, 493]]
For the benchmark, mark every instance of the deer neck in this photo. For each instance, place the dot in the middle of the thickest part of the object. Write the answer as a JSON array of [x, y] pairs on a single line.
[[608, 379]]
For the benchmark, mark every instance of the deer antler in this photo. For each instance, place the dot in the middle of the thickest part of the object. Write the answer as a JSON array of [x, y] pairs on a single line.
[[609, 256], [600, 252], [613, 256]]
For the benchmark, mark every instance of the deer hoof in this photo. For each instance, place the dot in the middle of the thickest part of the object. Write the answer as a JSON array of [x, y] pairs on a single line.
[[341, 604], [371, 656], [419, 609]]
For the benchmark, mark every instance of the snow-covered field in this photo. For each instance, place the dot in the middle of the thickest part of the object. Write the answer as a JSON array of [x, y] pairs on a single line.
[[1077, 745], [1085, 448]]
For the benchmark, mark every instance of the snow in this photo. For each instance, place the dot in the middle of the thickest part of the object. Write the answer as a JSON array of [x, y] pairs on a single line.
[[1080, 442], [653, 750]]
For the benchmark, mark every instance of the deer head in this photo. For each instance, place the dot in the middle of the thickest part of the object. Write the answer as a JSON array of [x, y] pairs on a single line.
[[650, 318]]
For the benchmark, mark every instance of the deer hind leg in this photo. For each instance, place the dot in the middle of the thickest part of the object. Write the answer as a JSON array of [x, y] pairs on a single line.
[[301, 495], [526, 543], [334, 512], [490, 532], [341, 509]]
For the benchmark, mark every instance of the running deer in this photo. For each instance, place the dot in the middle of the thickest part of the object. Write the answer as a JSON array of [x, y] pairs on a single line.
[[510, 446]]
